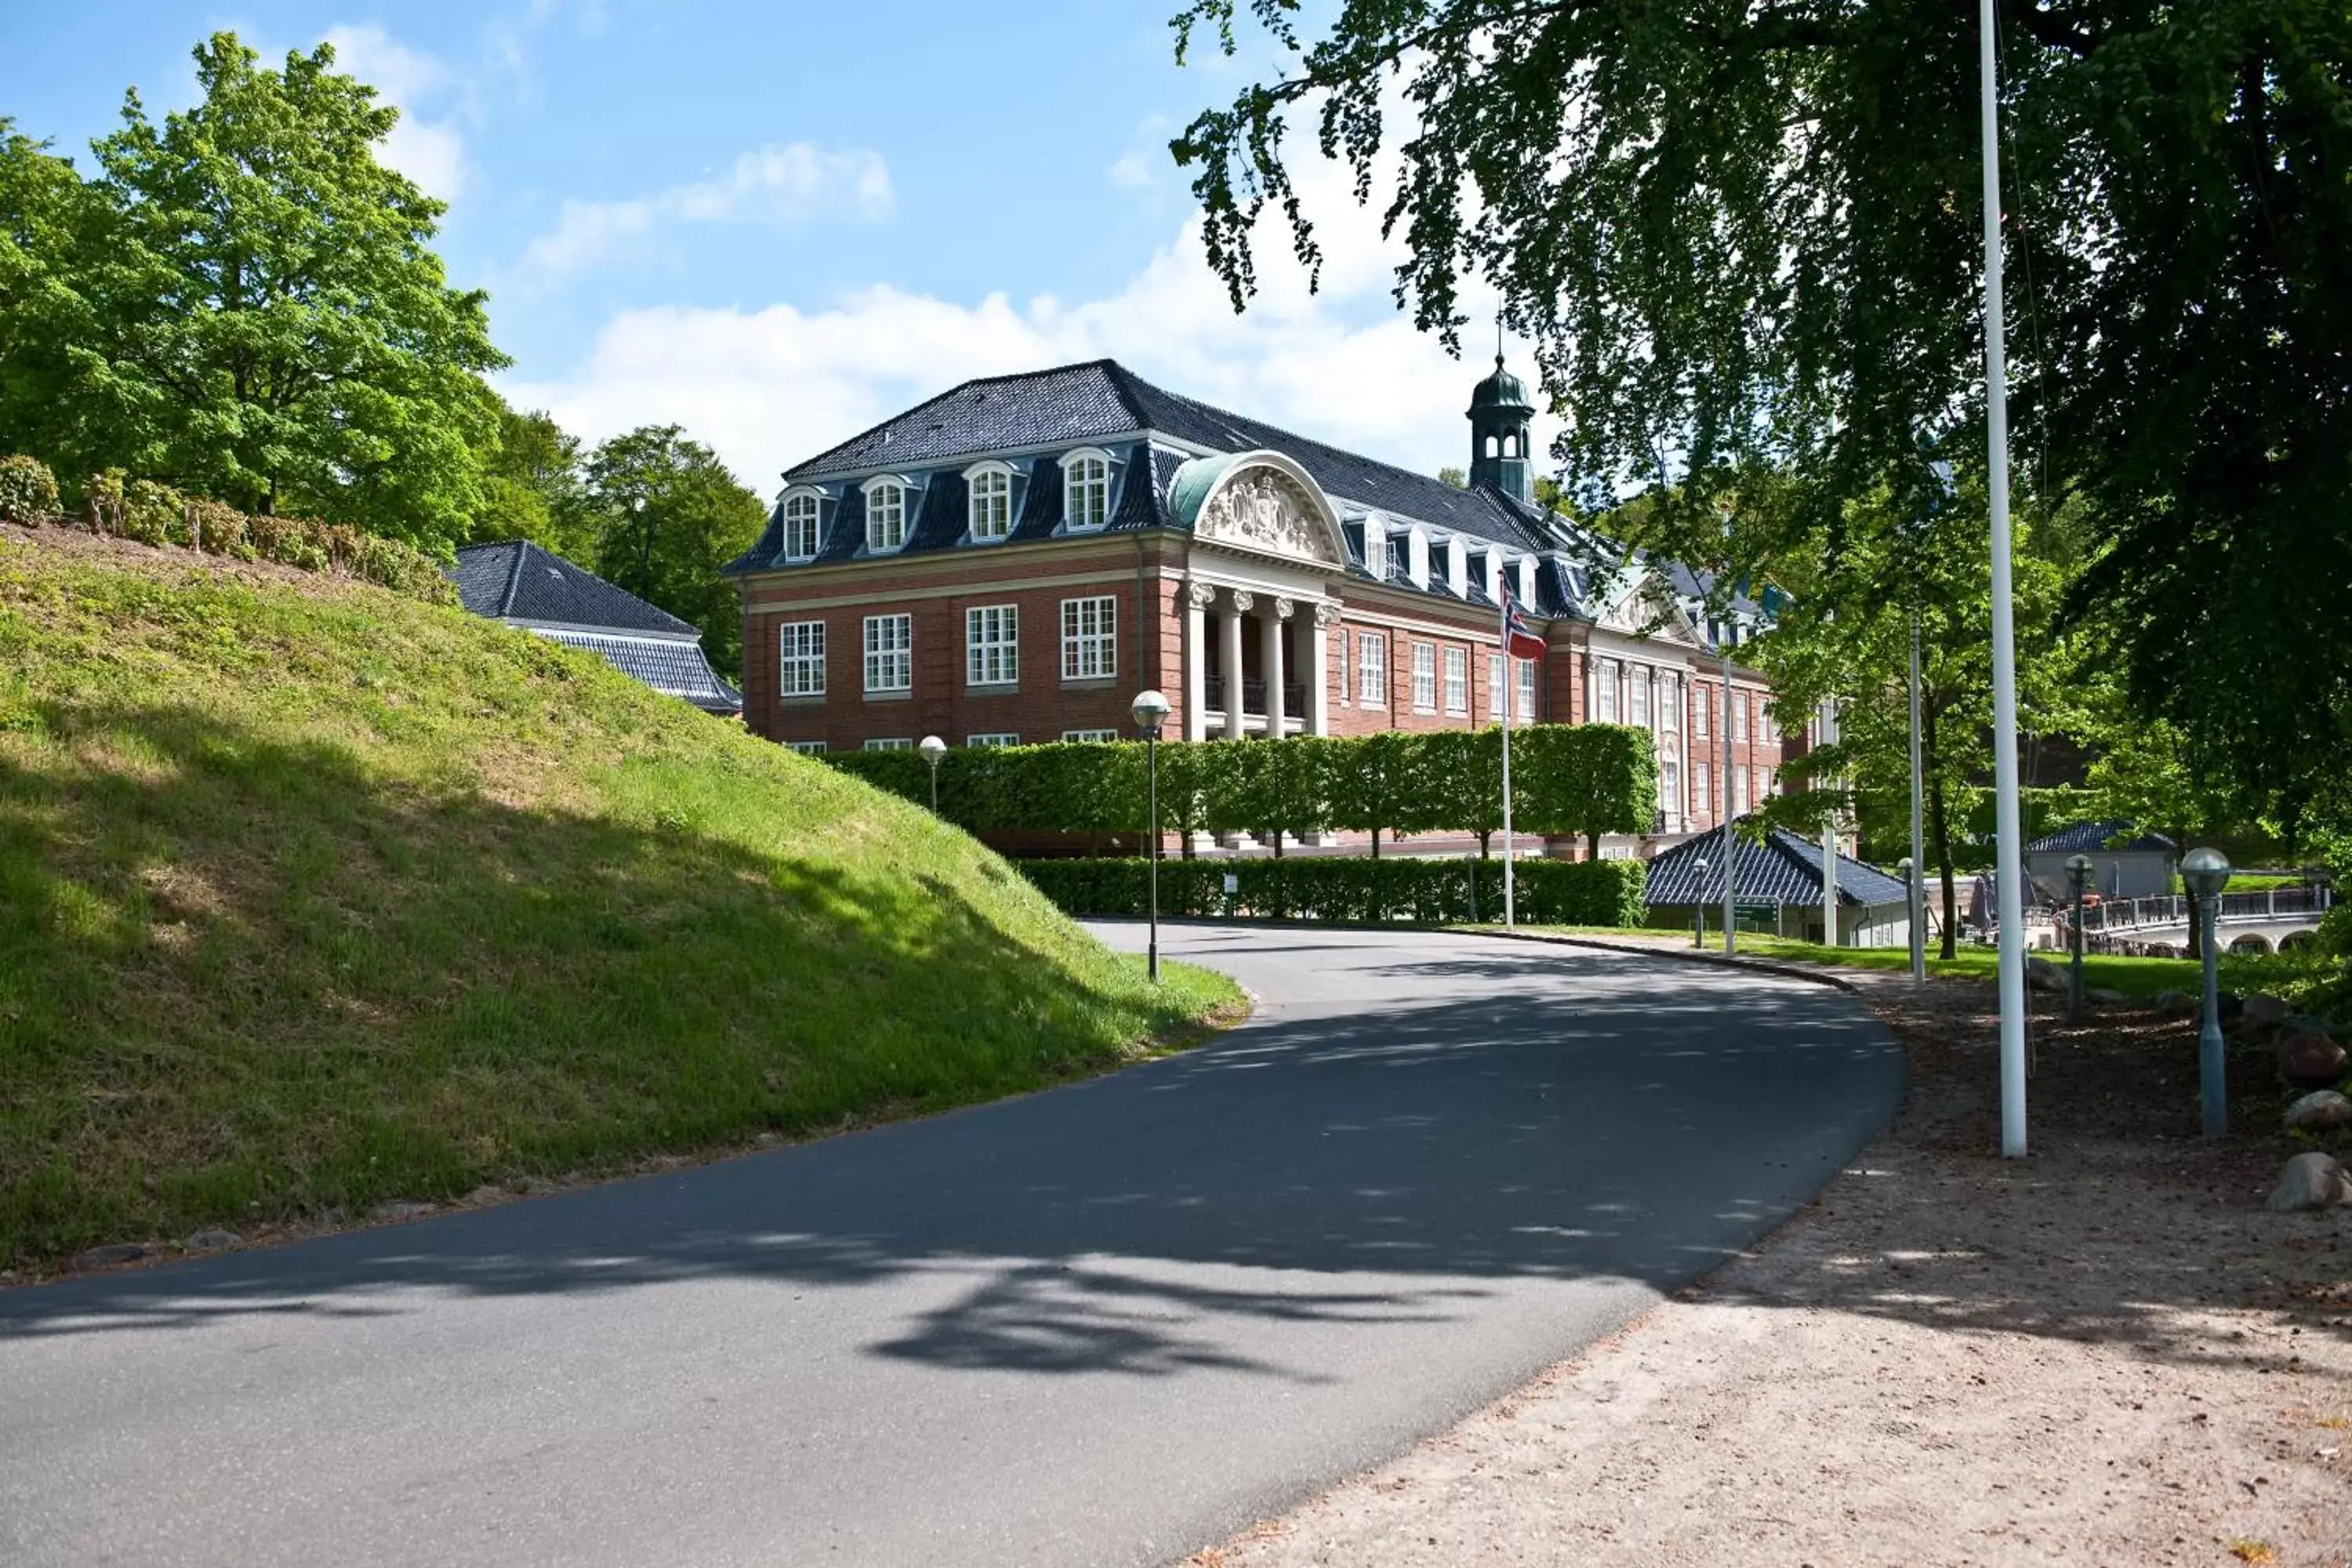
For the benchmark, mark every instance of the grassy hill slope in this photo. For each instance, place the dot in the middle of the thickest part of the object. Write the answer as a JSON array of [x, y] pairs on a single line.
[[313, 897]]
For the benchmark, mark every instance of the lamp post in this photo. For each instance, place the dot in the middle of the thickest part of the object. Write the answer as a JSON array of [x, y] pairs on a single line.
[[2207, 872], [933, 749], [1699, 903], [2078, 872], [1916, 906], [1151, 710]]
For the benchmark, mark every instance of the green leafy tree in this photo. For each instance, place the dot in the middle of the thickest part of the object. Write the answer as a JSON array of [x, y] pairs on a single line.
[[270, 324], [1588, 779], [1378, 788], [670, 517], [535, 487], [1743, 241], [52, 227], [1466, 768]]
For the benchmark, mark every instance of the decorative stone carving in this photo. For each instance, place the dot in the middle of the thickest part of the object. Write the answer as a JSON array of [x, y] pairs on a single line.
[[1243, 603], [1285, 608], [1263, 508], [1200, 595], [1326, 614]]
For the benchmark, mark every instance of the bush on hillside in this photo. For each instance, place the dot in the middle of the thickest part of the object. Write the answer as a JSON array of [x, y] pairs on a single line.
[[28, 491], [1352, 891]]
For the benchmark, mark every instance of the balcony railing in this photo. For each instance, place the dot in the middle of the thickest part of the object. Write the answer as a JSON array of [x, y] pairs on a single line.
[[1294, 698]]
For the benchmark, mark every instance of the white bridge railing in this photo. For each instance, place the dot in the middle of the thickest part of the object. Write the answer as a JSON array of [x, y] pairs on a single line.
[[2174, 910]]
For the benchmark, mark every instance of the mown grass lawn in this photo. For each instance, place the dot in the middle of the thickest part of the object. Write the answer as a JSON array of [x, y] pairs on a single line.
[[311, 896]]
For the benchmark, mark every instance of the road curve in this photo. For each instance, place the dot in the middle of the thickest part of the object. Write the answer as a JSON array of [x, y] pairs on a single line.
[[1106, 1324]]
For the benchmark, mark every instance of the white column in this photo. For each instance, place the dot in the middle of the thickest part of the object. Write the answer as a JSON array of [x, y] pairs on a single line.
[[1318, 672], [1196, 660], [1230, 635], [1273, 665]]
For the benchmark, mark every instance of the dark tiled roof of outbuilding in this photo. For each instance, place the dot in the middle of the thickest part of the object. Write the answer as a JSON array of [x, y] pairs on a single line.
[[674, 669], [519, 580], [1783, 870], [2087, 838]]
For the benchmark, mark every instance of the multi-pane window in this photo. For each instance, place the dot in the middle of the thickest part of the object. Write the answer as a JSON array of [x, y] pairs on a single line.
[[993, 737], [1086, 492], [1090, 735], [801, 665], [889, 653], [1641, 692], [1376, 547], [1424, 677], [1372, 669], [885, 517], [1527, 708], [1494, 689], [800, 527], [1457, 680], [1763, 786], [1669, 704], [807, 748], [991, 645], [1089, 639], [1670, 786], [1698, 792], [1604, 692], [990, 513], [1763, 735], [1739, 716], [1738, 792], [898, 743], [1701, 706]]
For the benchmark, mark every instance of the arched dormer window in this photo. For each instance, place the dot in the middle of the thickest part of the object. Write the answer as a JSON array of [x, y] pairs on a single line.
[[1494, 575], [1376, 547], [1086, 489], [1457, 567], [885, 513], [803, 512], [1416, 559], [989, 513], [1526, 580]]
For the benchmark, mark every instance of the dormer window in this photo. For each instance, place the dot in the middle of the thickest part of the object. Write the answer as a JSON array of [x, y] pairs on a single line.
[[800, 526], [1527, 579], [1457, 567], [1376, 547], [1086, 489], [886, 514], [1495, 575], [1416, 558], [989, 514]]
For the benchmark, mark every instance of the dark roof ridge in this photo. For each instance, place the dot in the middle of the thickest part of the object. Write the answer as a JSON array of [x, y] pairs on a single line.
[[1112, 368]]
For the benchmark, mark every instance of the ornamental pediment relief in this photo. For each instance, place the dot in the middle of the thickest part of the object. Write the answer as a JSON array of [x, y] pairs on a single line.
[[1266, 511], [1648, 610]]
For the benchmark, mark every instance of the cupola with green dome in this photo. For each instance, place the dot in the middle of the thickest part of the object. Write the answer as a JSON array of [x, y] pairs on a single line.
[[1499, 414]]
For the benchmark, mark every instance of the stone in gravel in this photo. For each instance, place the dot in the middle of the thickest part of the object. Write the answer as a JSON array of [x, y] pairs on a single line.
[[2175, 1003], [2043, 975], [2263, 1008], [215, 1240], [2311, 1181], [487, 1193], [398, 1211], [2317, 1111], [2307, 1059], [2105, 996], [108, 1256]]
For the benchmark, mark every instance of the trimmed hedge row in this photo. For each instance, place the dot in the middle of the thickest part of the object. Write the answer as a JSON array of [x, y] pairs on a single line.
[[1586, 779], [1356, 890], [150, 513]]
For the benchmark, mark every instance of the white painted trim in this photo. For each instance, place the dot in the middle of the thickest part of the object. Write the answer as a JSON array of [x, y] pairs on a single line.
[[1110, 469]]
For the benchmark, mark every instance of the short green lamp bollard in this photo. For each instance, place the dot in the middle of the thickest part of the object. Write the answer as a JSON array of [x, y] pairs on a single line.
[[2206, 872]]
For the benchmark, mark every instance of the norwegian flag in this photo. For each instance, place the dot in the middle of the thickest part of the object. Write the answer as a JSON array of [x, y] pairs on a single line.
[[1520, 637]]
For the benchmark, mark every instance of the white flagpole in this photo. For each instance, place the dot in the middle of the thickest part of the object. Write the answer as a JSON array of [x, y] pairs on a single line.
[[1510, 905]]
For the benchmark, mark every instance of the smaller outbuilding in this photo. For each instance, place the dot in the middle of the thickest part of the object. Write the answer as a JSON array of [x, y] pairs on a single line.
[[1777, 888], [537, 591], [2126, 862]]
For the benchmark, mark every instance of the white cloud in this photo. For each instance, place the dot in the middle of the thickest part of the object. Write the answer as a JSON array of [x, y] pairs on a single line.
[[1132, 169], [771, 387], [430, 151], [779, 183]]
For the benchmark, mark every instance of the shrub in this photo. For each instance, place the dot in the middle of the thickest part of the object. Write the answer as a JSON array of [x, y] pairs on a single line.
[[102, 494], [216, 529], [28, 491], [153, 513], [1355, 890]]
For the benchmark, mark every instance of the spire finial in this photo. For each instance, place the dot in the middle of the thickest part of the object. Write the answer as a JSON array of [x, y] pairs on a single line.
[[1498, 342]]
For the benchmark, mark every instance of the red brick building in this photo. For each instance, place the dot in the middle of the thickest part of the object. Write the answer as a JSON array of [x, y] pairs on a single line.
[[1011, 562]]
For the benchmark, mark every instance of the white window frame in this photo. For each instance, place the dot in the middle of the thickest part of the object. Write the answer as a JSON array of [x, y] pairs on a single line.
[[1376, 548], [1079, 481], [806, 748], [1702, 704], [991, 645], [1670, 786], [889, 644], [1526, 713], [1738, 792], [1416, 558], [894, 743], [1457, 680], [1090, 637], [1639, 712], [1498, 683], [1740, 718], [1528, 583], [1763, 783], [1090, 736], [1670, 704], [1371, 670], [1698, 792], [1457, 567], [800, 658], [880, 541], [1424, 677], [1604, 692], [1495, 573], [986, 483], [990, 738], [803, 509]]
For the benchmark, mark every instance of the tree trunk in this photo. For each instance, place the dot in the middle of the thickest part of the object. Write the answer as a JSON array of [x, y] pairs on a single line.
[[1482, 841], [1592, 846]]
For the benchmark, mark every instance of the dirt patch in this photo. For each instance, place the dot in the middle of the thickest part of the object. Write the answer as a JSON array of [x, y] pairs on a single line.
[[2107, 1352]]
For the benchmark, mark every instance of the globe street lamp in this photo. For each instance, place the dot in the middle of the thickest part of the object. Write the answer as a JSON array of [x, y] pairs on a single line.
[[1151, 710], [2078, 872], [1699, 904], [933, 749], [2206, 872], [1917, 907]]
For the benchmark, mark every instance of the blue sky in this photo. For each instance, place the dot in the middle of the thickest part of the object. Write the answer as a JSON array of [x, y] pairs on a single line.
[[776, 224]]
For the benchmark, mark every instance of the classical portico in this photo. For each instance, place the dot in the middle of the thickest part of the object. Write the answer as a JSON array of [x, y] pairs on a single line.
[[1266, 549]]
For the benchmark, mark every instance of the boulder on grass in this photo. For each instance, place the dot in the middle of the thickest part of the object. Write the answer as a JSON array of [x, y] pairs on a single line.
[[2264, 1009], [2105, 997], [2175, 1003], [2307, 1059], [2321, 1110], [2312, 1180], [2043, 975]]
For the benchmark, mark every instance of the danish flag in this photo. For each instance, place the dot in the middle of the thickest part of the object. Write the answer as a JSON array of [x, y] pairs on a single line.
[[1518, 634]]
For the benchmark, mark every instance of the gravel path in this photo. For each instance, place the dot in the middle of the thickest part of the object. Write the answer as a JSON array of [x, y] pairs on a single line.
[[2106, 1353]]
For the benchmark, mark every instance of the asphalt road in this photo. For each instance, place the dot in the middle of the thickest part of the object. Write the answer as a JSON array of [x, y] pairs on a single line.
[[1106, 1324]]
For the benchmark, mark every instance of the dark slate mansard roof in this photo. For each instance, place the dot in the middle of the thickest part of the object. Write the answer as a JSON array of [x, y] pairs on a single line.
[[518, 583], [2093, 837], [1031, 419], [1784, 869]]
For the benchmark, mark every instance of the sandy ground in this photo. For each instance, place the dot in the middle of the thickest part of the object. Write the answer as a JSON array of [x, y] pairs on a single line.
[[2106, 1353]]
